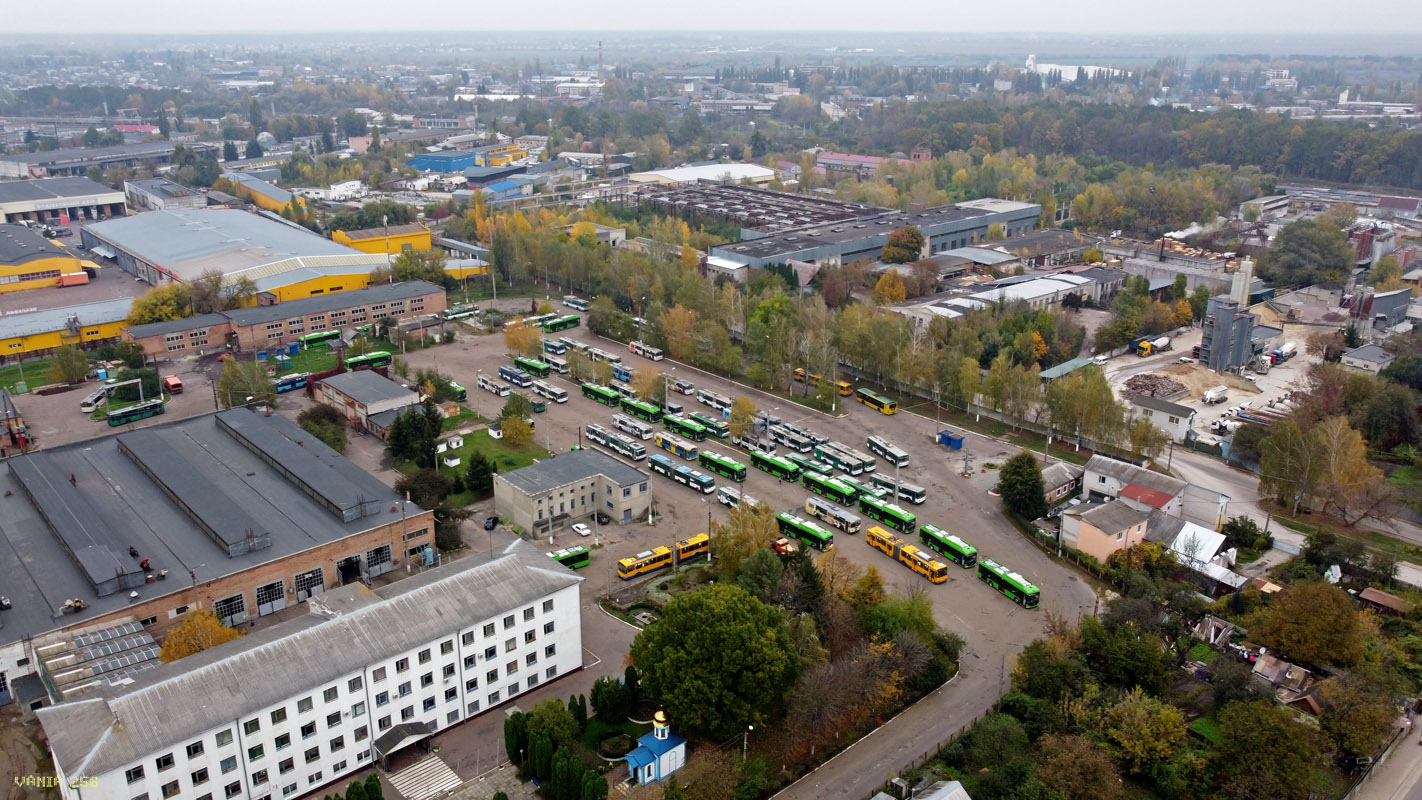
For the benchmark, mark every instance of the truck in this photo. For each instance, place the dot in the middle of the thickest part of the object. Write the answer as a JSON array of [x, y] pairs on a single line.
[[1216, 395], [1150, 347]]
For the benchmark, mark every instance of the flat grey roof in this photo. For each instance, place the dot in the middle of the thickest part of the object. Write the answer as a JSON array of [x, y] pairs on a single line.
[[81, 154], [188, 241], [53, 189], [1369, 352], [20, 245], [175, 325], [849, 230], [382, 293], [163, 187], [368, 388], [1047, 242], [350, 627], [56, 319], [571, 467], [113, 505]]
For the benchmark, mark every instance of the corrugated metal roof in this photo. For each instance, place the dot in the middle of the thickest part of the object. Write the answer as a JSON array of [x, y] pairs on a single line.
[[566, 468], [57, 319]]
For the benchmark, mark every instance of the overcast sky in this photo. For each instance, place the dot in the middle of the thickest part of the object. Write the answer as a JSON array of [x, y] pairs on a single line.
[[1228, 17]]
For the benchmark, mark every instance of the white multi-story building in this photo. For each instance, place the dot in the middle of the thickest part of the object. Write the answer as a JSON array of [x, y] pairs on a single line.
[[284, 710]]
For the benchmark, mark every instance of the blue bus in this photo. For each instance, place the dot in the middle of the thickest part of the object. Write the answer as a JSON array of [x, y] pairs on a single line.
[[515, 376]]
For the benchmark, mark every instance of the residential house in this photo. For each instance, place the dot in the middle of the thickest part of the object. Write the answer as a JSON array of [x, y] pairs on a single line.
[[1106, 478], [1384, 603], [1060, 481], [1199, 550], [368, 400], [1369, 358], [1099, 530], [1173, 418]]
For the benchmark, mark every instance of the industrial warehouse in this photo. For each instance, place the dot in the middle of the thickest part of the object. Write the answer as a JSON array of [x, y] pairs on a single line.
[[55, 201]]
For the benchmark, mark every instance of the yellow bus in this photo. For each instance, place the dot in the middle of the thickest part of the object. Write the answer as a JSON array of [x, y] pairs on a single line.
[[932, 569], [644, 563], [691, 547], [876, 401], [880, 539]]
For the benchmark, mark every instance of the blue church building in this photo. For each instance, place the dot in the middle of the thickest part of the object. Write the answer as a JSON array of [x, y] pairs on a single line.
[[658, 754]]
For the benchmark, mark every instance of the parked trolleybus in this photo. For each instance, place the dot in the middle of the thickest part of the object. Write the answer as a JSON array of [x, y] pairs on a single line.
[[692, 546], [842, 387], [616, 442], [864, 489], [135, 412], [640, 410], [725, 466], [826, 486], [716, 401], [692, 479], [550, 391], [572, 344], [1016, 587], [776, 466], [902, 490], [948, 545], [575, 557], [576, 303], [458, 313], [832, 514], [493, 387], [533, 366], [292, 382], [644, 563], [682, 426], [834, 456], [675, 446], [602, 394], [621, 373], [319, 337], [794, 441], [632, 427], [865, 462], [714, 427], [379, 358], [645, 351], [877, 402], [602, 355], [731, 496], [806, 531], [561, 323], [908, 555], [889, 514], [515, 376], [807, 464], [553, 348], [881, 447], [556, 363]]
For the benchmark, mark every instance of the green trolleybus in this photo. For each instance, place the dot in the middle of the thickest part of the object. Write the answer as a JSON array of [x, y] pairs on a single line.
[[1016, 587], [682, 426], [575, 557], [319, 337], [889, 514], [561, 323], [533, 366], [602, 394], [379, 358], [807, 464], [804, 530], [946, 544], [778, 467], [715, 427], [825, 486], [135, 412], [725, 466], [641, 410]]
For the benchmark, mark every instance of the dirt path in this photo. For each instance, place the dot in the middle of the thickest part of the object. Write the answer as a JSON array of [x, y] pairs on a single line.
[[19, 755]]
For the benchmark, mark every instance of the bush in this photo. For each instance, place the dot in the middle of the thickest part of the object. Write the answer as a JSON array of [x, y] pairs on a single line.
[[321, 413], [130, 392]]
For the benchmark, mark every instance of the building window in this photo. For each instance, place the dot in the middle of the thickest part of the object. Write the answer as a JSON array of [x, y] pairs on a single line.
[[425, 656], [429, 703], [255, 752], [530, 659], [550, 650], [547, 606], [551, 672], [287, 765], [283, 741], [338, 744], [489, 629], [467, 639], [404, 688], [491, 676], [164, 761], [313, 779], [170, 789], [308, 730], [228, 764], [333, 719], [314, 754], [528, 614], [469, 662], [471, 684], [234, 788], [384, 723], [194, 749], [330, 695], [361, 733], [288, 790], [445, 648], [450, 694], [279, 716], [529, 637], [259, 777], [303, 705], [448, 670], [532, 681], [490, 652], [473, 707], [358, 710], [402, 665], [353, 685], [134, 775], [381, 699], [426, 679], [548, 627], [511, 667], [508, 622], [493, 698], [378, 675], [408, 712]]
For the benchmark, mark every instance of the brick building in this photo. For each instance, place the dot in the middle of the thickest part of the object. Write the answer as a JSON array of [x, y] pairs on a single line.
[[267, 326], [570, 487], [237, 512], [368, 400]]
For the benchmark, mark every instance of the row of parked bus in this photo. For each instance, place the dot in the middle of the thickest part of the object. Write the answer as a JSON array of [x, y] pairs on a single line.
[[661, 557]]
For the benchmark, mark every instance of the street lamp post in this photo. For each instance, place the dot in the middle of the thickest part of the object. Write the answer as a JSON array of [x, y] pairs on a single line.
[[745, 742]]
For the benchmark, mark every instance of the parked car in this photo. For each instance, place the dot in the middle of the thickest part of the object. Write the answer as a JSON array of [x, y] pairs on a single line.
[[603, 519], [491, 523], [581, 529]]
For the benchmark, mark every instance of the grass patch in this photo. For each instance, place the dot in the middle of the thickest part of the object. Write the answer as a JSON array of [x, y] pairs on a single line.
[[1201, 652], [36, 373], [599, 730], [313, 359], [1373, 541], [466, 416], [1408, 480], [1206, 728], [504, 455]]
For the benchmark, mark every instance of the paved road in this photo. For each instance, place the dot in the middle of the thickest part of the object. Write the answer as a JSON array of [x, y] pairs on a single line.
[[1400, 776]]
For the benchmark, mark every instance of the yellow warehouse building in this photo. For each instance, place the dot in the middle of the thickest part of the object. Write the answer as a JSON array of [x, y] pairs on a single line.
[[393, 240], [30, 261]]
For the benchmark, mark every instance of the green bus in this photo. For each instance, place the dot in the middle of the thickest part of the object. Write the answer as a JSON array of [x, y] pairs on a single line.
[[836, 457], [807, 464], [715, 427], [135, 412], [829, 488], [946, 544], [319, 337], [889, 514], [561, 323], [365, 329], [536, 402], [864, 489], [602, 394], [1016, 587], [682, 426], [575, 557], [379, 358], [533, 366], [725, 466], [778, 467], [640, 410], [877, 402], [807, 532]]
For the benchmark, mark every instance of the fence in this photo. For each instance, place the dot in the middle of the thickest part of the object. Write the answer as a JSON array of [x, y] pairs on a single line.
[[929, 755]]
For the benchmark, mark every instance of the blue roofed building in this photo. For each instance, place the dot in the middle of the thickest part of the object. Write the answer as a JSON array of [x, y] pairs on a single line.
[[658, 754], [444, 161], [504, 190]]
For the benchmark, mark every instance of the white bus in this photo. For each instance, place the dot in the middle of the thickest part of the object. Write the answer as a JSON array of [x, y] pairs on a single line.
[[833, 514], [732, 497], [602, 355], [553, 348], [572, 344], [645, 351], [623, 390], [494, 387], [616, 442], [633, 427], [882, 448], [574, 302], [558, 363], [791, 440], [551, 392], [903, 490], [716, 401]]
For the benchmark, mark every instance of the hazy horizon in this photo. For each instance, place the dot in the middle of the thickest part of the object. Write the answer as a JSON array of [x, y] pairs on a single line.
[[1028, 18]]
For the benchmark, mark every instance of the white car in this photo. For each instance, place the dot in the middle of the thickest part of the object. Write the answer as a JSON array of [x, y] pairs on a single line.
[[582, 530]]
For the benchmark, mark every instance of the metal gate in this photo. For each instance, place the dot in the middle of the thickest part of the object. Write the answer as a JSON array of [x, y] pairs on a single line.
[[377, 561], [349, 569], [271, 598], [231, 610], [309, 584]]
